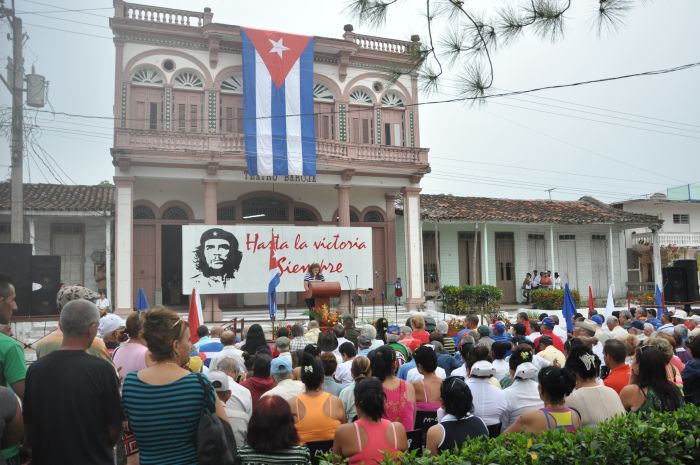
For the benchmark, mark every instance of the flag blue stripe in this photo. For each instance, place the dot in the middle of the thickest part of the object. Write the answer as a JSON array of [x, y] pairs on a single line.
[[279, 131], [249, 105], [308, 128]]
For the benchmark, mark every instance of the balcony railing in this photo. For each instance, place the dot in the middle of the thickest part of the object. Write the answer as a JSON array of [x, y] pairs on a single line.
[[164, 15], [381, 44], [235, 144], [675, 239]]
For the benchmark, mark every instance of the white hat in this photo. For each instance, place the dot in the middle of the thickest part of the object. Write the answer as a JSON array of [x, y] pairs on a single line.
[[482, 368], [110, 323], [695, 318], [526, 370], [218, 380], [680, 314]]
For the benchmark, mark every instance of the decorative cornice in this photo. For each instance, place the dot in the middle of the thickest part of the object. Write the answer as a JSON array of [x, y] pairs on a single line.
[[346, 175]]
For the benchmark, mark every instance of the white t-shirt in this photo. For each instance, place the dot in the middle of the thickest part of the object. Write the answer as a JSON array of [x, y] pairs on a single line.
[[239, 408], [102, 303], [559, 331], [413, 374], [228, 352], [595, 404], [521, 396], [502, 367], [489, 401], [286, 389], [343, 374]]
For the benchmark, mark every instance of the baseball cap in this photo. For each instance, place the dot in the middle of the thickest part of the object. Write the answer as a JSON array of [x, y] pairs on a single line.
[[110, 323], [364, 341], [280, 366], [500, 326], [218, 380], [482, 368], [282, 343], [637, 325], [589, 325], [599, 320], [680, 314], [695, 318], [483, 330], [548, 322], [68, 293]]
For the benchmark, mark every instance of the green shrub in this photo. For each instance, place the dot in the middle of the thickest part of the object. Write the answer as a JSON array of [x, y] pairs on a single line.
[[551, 299], [656, 438], [472, 299]]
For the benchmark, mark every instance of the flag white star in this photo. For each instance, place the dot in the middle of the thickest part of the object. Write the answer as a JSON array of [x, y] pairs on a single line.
[[278, 47]]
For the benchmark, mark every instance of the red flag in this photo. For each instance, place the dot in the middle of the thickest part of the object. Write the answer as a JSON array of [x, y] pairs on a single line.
[[591, 302], [194, 317]]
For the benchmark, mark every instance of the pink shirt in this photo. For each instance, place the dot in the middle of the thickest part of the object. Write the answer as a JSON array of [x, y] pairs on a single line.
[[130, 357]]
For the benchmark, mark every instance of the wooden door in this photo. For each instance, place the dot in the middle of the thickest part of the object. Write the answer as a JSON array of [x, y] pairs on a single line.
[[430, 268], [567, 260], [324, 117], [536, 253], [231, 114], [361, 127], [187, 111], [145, 260], [599, 265], [393, 127], [68, 241], [378, 261], [469, 259], [146, 108], [505, 265]]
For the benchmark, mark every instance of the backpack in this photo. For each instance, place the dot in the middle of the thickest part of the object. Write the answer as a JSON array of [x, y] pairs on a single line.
[[216, 444]]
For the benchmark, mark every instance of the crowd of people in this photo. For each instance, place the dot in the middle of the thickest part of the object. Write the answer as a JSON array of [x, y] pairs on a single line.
[[134, 391]]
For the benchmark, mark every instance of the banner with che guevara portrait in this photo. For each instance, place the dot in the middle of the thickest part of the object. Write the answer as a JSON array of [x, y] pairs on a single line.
[[236, 259]]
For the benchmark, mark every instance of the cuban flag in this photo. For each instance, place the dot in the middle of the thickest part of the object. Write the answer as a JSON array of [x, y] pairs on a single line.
[[278, 103], [274, 279]]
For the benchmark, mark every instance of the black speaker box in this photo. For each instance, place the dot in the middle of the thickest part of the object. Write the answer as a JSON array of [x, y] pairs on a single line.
[[675, 284], [46, 270], [15, 261], [691, 274]]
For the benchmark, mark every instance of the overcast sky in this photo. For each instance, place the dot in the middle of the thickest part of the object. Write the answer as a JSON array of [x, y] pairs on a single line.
[[576, 140]]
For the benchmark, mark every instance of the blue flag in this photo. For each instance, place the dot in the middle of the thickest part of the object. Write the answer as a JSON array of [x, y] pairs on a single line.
[[142, 301], [659, 301], [569, 309]]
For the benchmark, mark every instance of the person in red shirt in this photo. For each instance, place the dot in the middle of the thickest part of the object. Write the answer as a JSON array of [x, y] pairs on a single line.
[[547, 328], [260, 382], [614, 354], [523, 319], [546, 281], [418, 326]]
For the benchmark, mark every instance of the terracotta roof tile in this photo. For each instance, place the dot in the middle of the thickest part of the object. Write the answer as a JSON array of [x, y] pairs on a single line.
[[58, 197], [586, 210]]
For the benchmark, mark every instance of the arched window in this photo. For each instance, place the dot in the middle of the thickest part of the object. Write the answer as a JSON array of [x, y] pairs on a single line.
[[393, 119], [353, 217], [188, 80], [232, 84], [361, 117], [227, 213], [142, 212], [304, 214], [322, 92], [175, 213], [264, 209], [373, 216], [147, 76], [393, 100], [360, 97]]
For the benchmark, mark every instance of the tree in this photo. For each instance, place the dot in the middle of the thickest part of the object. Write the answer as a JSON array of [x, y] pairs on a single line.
[[467, 40]]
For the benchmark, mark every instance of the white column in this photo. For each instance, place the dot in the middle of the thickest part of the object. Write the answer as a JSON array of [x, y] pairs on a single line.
[[414, 246], [656, 245], [32, 235], [485, 277], [124, 188], [611, 261], [551, 267], [108, 257]]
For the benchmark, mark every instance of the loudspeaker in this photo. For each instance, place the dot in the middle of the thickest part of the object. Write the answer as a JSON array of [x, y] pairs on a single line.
[[691, 274], [15, 261], [675, 284], [46, 270]]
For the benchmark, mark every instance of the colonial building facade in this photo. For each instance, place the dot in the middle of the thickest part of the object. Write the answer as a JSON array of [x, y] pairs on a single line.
[[179, 152]]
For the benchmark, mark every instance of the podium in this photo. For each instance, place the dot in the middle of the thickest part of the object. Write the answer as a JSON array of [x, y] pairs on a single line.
[[322, 291]]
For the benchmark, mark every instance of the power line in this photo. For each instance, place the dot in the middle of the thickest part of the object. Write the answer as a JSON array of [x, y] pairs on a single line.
[[69, 20], [83, 11], [70, 32], [79, 10]]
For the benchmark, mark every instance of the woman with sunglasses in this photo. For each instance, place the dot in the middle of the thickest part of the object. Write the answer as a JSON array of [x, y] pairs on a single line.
[[458, 423], [163, 402], [650, 388]]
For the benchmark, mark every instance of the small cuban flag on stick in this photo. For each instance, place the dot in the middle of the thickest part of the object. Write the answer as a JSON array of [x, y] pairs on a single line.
[[278, 103], [194, 316], [274, 279]]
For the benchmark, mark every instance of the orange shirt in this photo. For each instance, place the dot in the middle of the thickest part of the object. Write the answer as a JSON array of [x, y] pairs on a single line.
[[618, 378]]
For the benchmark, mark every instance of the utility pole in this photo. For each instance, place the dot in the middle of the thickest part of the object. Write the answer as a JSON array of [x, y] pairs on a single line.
[[17, 218], [15, 86]]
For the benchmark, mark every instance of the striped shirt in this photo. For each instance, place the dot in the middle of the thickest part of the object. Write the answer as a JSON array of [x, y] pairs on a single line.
[[165, 418], [317, 278], [298, 455]]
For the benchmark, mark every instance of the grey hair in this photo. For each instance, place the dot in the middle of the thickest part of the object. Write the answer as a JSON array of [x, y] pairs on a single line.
[[611, 320], [297, 330], [627, 314], [369, 331], [406, 330], [228, 365], [648, 327], [682, 330], [312, 324], [441, 327], [390, 337], [77, 316]]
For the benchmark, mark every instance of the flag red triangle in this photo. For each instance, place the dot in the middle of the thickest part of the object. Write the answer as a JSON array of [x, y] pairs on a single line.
[[278, 50], [591, 302], [193, 316]]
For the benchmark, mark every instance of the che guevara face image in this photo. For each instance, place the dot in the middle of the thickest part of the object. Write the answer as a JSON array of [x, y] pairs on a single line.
[[217, 255]]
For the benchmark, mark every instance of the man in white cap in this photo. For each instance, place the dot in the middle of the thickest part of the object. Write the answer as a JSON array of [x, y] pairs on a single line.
[[694, 325], [239, 406], [679, 317], [109, 330], [490, 403], [287, 388]]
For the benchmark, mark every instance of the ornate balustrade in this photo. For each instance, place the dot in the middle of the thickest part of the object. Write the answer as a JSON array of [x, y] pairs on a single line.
[[156, 14], [675, 239], [170, 141], [381, 44]]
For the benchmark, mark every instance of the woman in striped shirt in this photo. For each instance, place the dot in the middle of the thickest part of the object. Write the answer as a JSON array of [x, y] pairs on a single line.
[[163, 402], [312, 276]]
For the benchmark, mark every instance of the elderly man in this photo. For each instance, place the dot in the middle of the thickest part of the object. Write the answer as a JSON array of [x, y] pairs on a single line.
[[616, 331], [406, 338], [287, 388], [471, 323], [625, 318], [299, 341], [548, 325], [666, 324], [312, 331], [586, 330], [239, 407], [78, 420], [229, 350]]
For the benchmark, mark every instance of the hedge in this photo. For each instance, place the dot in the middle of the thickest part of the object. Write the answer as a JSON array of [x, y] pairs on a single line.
[[471, 299], [551, 299], [655, 438]]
